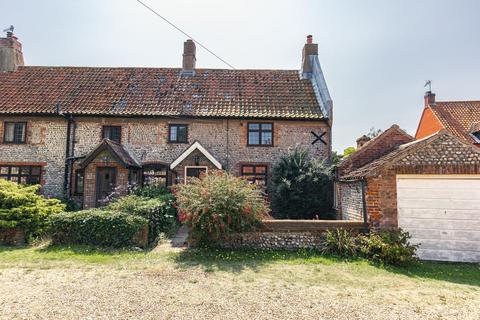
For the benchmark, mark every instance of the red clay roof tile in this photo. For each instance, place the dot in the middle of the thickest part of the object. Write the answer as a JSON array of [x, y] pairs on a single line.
[[158, 92]]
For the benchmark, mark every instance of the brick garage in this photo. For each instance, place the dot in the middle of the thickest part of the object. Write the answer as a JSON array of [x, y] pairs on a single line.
[[439, 154]]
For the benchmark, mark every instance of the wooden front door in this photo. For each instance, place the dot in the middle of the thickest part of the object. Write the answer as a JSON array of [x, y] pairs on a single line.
[[106, 181]]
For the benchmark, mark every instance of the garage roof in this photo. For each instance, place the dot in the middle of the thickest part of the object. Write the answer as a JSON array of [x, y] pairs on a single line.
[[439, 149]]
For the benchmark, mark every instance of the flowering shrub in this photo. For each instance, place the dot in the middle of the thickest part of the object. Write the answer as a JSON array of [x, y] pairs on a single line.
[[219, 204]]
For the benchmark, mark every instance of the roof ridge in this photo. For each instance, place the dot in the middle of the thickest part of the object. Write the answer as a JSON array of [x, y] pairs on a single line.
[[154, 68]]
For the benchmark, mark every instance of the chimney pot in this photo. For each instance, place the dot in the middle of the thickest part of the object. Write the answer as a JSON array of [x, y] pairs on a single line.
[[309, 49], [429, 98], [189, 58], [362, 140], [11, 55]]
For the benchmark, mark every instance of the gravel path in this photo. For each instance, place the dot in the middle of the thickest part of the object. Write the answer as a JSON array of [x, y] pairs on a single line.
[[277, 291]]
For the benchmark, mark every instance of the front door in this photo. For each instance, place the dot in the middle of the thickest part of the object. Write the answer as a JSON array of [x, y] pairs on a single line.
[[106, 180]]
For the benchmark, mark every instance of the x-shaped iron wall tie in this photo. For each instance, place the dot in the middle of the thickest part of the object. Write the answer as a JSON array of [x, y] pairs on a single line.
[[318, 137]]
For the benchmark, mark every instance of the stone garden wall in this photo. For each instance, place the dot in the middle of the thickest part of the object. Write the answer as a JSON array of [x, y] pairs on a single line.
[[288, 234]]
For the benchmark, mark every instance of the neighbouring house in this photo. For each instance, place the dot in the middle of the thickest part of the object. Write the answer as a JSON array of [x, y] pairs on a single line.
[[429, 187], [461, 118], [83, 132]]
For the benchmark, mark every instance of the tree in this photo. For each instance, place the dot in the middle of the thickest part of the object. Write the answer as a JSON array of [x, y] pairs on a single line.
[[336, 158], [302, 187], [372, 133], [348, 151]]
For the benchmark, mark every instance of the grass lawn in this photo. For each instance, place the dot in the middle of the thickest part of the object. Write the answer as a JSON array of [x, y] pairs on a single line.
[[81, 282]]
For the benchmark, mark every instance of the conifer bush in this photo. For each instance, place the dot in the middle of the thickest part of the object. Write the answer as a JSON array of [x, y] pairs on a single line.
[[302, 187], [219, 204], [23, 207]]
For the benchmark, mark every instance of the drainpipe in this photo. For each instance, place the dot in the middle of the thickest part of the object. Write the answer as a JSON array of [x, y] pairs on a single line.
[[364, 204], [227, 167], [68, 155]]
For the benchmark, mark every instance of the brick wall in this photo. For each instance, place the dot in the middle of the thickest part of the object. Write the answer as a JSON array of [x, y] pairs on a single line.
[[45, 144], [350, 200]]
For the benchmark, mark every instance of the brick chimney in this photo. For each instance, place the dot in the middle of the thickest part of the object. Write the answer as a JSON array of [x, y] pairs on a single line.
[[11, 55], [362, 140], [189, 58], [429, 98], [309, 49]]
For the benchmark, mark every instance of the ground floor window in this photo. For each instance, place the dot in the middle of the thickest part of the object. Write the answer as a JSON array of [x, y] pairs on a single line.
[[21, 174], [256, 174], [79, 182], [155, 174]]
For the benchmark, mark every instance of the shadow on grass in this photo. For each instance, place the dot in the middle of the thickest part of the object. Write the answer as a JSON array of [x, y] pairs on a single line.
[[461, 273], [211, 259], [239, 260]]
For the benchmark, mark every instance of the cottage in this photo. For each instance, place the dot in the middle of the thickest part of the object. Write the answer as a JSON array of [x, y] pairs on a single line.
[[83, 132]]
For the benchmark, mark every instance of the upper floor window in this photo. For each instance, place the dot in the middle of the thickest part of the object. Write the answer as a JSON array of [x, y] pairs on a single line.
[[178, 133], [260, 134], [14, 132], [21, 174], [113, 133]]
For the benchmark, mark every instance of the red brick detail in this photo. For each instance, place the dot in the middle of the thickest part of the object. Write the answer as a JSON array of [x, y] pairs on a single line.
[[89, 193], [428, 125]]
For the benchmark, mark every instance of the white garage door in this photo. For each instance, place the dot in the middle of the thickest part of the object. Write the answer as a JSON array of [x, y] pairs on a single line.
[[442, 213]]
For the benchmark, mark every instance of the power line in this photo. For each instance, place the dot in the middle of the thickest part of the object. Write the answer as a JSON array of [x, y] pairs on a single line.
[[190, 37]]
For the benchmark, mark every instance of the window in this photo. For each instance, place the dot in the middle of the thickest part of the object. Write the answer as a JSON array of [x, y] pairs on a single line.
[[155, 174], [14, 132], [256, 174], [113, 133], [476, 135], [21, 174], [177, 133], [260, 134], [79, 182]]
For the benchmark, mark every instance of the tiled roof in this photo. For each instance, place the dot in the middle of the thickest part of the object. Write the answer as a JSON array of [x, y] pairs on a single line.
[[116, 149], [158, 92], [459, 117], [375, 148], [439, 149]]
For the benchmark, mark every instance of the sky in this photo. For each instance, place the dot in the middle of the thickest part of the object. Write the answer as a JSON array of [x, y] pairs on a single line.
[[375, 54]]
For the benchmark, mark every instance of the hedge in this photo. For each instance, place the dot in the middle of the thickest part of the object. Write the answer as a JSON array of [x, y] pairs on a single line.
[[97, 227], [159, 211]]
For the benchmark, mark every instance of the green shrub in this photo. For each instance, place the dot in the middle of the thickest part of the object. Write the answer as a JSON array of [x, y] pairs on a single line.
[[340, 242], [302, 187], [151, 191], [96, 227], [159, 211], [23, 207], [388, 247], [219, 204]]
